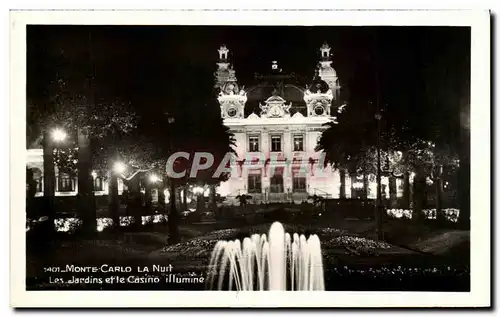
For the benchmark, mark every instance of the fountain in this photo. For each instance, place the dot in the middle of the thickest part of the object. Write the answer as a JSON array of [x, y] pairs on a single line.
[[274, 263]]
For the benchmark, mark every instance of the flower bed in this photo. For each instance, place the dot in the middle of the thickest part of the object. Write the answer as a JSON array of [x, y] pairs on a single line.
[[224, 234], [193, 247], [72, 224], [355, 245], [450, 214]]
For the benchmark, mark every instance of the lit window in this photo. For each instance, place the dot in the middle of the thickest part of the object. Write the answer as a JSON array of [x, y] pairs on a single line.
[[277, 181], [254, 182], [253, 144], [276, 143], [39, 184], [65, 183], [97, 184], [299, 183], [298, 143]]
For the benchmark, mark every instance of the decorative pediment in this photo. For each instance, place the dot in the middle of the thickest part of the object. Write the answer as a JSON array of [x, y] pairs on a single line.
[[310, 96], [275, 100], [231, 88], [253, 116], [275, 107]]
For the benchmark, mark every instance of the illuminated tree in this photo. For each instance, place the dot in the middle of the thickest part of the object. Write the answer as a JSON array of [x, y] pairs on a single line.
[[72, 101]]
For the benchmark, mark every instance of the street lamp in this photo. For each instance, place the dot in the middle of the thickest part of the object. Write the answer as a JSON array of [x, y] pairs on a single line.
[[50, 137], [173, 217], [58, 135], [378, 209], [153, 178], [119, 167], [198, 190]]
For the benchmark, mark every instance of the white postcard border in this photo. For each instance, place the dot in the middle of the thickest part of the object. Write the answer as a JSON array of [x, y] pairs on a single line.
[[480, 162]]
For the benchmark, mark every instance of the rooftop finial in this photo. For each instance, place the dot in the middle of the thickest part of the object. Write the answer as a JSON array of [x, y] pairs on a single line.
[[325, 50], [223, 52]]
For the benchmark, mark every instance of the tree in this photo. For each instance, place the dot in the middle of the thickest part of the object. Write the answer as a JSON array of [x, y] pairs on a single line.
[[72, 101], [348, 144], [202, 130], [433, 161], [142, 155], [348, 148]]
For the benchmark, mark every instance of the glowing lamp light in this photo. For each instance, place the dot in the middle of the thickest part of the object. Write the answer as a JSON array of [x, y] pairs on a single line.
[[119, 167], [154, 178], [167, 195], [357, 185], [198, 190], [58, 135], [94, 174]]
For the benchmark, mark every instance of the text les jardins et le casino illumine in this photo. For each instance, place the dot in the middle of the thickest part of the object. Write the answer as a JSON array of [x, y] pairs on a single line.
[[139, 275]]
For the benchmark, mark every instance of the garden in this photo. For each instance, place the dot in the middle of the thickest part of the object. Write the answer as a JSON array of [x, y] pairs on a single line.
[[411, 257]]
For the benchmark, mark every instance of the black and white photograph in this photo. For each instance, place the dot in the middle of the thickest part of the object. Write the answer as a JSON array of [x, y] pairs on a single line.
[[226, 157]]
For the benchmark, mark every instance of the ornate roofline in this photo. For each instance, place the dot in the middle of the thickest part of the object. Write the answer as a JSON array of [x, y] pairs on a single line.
[[278, 76], [251, 88]]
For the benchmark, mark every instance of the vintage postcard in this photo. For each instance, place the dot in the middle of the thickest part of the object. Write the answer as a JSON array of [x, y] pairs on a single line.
[[240, 158]]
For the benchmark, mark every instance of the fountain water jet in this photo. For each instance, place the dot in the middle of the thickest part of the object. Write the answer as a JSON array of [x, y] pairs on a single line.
[[277, 263]]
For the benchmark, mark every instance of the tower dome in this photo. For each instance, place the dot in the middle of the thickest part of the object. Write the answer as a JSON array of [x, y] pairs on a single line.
[[325, 69], [318, 98], [230, 88], [318, 86]]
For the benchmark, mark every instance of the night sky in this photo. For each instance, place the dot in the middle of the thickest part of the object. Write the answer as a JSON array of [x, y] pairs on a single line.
[[423, 71]]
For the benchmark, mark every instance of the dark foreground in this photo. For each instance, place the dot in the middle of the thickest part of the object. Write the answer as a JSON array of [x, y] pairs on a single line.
[[434, 261]]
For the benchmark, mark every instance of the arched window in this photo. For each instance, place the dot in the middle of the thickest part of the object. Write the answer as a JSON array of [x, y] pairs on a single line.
[[97, 184], [38, 178]]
